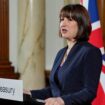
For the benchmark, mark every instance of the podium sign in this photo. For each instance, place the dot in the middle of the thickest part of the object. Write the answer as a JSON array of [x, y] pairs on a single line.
[[11, 89]]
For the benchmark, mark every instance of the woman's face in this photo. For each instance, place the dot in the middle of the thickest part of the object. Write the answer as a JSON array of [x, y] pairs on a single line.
[[68, 28]]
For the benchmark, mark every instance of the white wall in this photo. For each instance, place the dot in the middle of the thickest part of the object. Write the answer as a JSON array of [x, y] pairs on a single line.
[[13, 31], [52, 41]]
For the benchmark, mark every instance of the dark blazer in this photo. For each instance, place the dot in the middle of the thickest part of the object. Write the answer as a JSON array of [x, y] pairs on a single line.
[[78, 78]]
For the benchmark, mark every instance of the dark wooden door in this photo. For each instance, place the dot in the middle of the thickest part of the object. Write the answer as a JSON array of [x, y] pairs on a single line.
[[6, 70]]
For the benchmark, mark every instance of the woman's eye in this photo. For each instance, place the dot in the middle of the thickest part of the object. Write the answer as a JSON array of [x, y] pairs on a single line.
[[61, 19], [70, 19]]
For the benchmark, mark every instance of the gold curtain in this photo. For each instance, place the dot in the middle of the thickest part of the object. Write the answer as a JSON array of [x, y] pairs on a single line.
[[71, 1]]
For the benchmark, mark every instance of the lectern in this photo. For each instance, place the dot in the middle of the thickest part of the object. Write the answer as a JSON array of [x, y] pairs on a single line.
[[27, 100], [11, 102]]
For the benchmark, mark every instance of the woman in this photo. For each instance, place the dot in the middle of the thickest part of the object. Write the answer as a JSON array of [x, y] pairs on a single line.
[[76, 70]]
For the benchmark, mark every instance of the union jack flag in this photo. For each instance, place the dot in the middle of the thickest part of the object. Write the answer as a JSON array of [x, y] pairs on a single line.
[[96, 40]]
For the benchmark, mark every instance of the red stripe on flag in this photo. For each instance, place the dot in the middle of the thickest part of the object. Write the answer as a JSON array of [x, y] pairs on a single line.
[[96, 38], [103, 68], [100, 99]]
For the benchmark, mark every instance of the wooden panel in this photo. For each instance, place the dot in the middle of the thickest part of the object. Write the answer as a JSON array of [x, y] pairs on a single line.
[[6, 70], [101, 8], [4, 32]]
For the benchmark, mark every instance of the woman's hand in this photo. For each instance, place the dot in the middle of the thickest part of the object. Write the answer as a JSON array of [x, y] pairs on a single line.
[[27, 92], [54, 101]]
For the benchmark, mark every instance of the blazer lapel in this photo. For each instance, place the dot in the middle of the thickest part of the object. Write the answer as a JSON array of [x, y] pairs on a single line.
[[58, 62], [60, 59], [70, 57]]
